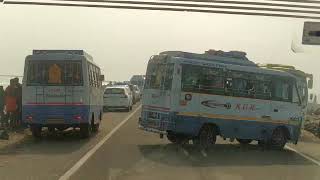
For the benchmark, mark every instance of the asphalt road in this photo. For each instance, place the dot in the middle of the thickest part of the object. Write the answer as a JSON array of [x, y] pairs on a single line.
[[130, 153], [54, 154]]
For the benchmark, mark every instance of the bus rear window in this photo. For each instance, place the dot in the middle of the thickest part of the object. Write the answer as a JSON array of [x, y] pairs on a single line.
[[54, 73], [114, 91]]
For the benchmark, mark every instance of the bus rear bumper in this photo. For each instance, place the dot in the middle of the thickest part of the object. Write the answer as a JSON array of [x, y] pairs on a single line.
[[58, 126], [153, 130]]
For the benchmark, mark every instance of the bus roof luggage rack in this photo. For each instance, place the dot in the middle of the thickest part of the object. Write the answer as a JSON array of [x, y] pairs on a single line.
[[231, 57], [60, 51], [286, 68]]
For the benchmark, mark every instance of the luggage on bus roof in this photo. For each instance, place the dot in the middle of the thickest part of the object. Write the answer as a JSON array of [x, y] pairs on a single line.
[[231, 57], [61, 51]]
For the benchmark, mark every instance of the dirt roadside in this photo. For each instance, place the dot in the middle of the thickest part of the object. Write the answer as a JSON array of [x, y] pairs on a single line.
[[15, 137]]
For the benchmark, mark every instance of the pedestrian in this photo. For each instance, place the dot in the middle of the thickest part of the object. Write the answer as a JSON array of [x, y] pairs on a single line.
[[11, 104], [18, 93], [2, 118]]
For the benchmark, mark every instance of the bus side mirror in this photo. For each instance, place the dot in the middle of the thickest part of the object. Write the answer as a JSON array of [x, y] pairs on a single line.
[[101, 77], [310, 83]]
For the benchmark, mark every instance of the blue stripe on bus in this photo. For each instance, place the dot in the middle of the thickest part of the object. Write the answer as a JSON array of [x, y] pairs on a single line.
[[232, 128], [40, 114]]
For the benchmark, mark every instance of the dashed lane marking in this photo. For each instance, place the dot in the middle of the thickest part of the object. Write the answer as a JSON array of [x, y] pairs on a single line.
[[78, 164]]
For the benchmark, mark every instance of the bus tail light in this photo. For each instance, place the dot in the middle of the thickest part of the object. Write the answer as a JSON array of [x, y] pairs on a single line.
[[77, 117]]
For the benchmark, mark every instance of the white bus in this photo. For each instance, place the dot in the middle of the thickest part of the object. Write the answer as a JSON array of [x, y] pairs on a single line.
[[199, 96], [62, 89]]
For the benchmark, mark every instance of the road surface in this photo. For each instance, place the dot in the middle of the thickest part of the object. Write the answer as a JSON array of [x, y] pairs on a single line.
[[120, 151]]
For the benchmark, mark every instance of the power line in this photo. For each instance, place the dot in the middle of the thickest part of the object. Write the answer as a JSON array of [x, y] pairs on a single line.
[[299, 1], [248, 3], [198, 6], [162, 9]]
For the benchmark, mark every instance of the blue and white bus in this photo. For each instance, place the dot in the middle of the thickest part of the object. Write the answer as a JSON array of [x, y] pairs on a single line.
[[197, 97], [62, 89]]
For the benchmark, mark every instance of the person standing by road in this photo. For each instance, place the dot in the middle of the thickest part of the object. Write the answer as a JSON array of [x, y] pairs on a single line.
[[2, 118], [11, 104], [18, 93]]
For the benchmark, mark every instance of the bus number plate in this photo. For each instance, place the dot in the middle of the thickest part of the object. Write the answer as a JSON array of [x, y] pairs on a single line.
[[55, 121]]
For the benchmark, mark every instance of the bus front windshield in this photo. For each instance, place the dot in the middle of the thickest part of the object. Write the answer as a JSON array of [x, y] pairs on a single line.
[[54, 73], [159, 76]]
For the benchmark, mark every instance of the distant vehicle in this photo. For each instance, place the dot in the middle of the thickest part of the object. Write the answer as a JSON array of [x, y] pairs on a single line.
[[199, 96], [133, 93], [118, 97], [313, 105], [62, 89], [137, 92], [138, 80]]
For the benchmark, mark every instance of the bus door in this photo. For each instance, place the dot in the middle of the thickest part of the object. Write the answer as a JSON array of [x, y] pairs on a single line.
[[188, 95], [285, 107]]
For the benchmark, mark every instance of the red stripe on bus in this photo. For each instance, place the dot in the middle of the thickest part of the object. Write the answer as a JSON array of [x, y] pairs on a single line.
[[55, 104], [156, 107]]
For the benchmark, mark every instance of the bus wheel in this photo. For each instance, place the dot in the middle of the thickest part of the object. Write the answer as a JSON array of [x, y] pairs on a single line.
[[207, 137], [176, 139], [128, 109], [51, 130], [95, 127], [85, 130], [278, 139], [36, 131], [244, 141]]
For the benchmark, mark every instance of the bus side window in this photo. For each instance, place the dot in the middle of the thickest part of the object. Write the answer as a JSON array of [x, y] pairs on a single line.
[[76, 73], [212, 81], [280, 90], [190, 78], [97, 76], [90, 74]]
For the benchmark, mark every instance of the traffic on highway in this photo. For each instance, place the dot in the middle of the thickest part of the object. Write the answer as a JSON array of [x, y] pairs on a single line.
[[88, 92]]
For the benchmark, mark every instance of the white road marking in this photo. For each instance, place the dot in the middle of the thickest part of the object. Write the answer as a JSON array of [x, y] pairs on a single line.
[[77, 166], [303, 155], [185, 152], [204, 154]]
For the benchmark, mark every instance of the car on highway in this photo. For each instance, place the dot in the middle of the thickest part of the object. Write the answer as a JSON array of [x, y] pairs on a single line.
[[137, 93], [117, 97]]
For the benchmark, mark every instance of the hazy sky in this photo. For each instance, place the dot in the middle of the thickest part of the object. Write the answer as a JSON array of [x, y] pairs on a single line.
[[121, 41]]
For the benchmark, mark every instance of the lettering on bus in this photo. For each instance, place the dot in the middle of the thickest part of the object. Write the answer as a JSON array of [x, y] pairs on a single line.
[[245, 107]]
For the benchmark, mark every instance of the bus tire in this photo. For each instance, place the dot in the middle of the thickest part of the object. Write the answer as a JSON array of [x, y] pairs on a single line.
[[244, 141], [85, 130], [95, 127], [36, 131], [128, 109], [278, 139], [51, 130], [207, 137], [176, 139]]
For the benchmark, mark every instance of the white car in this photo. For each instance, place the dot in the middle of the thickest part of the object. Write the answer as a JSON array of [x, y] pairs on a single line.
[[117, 97]]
